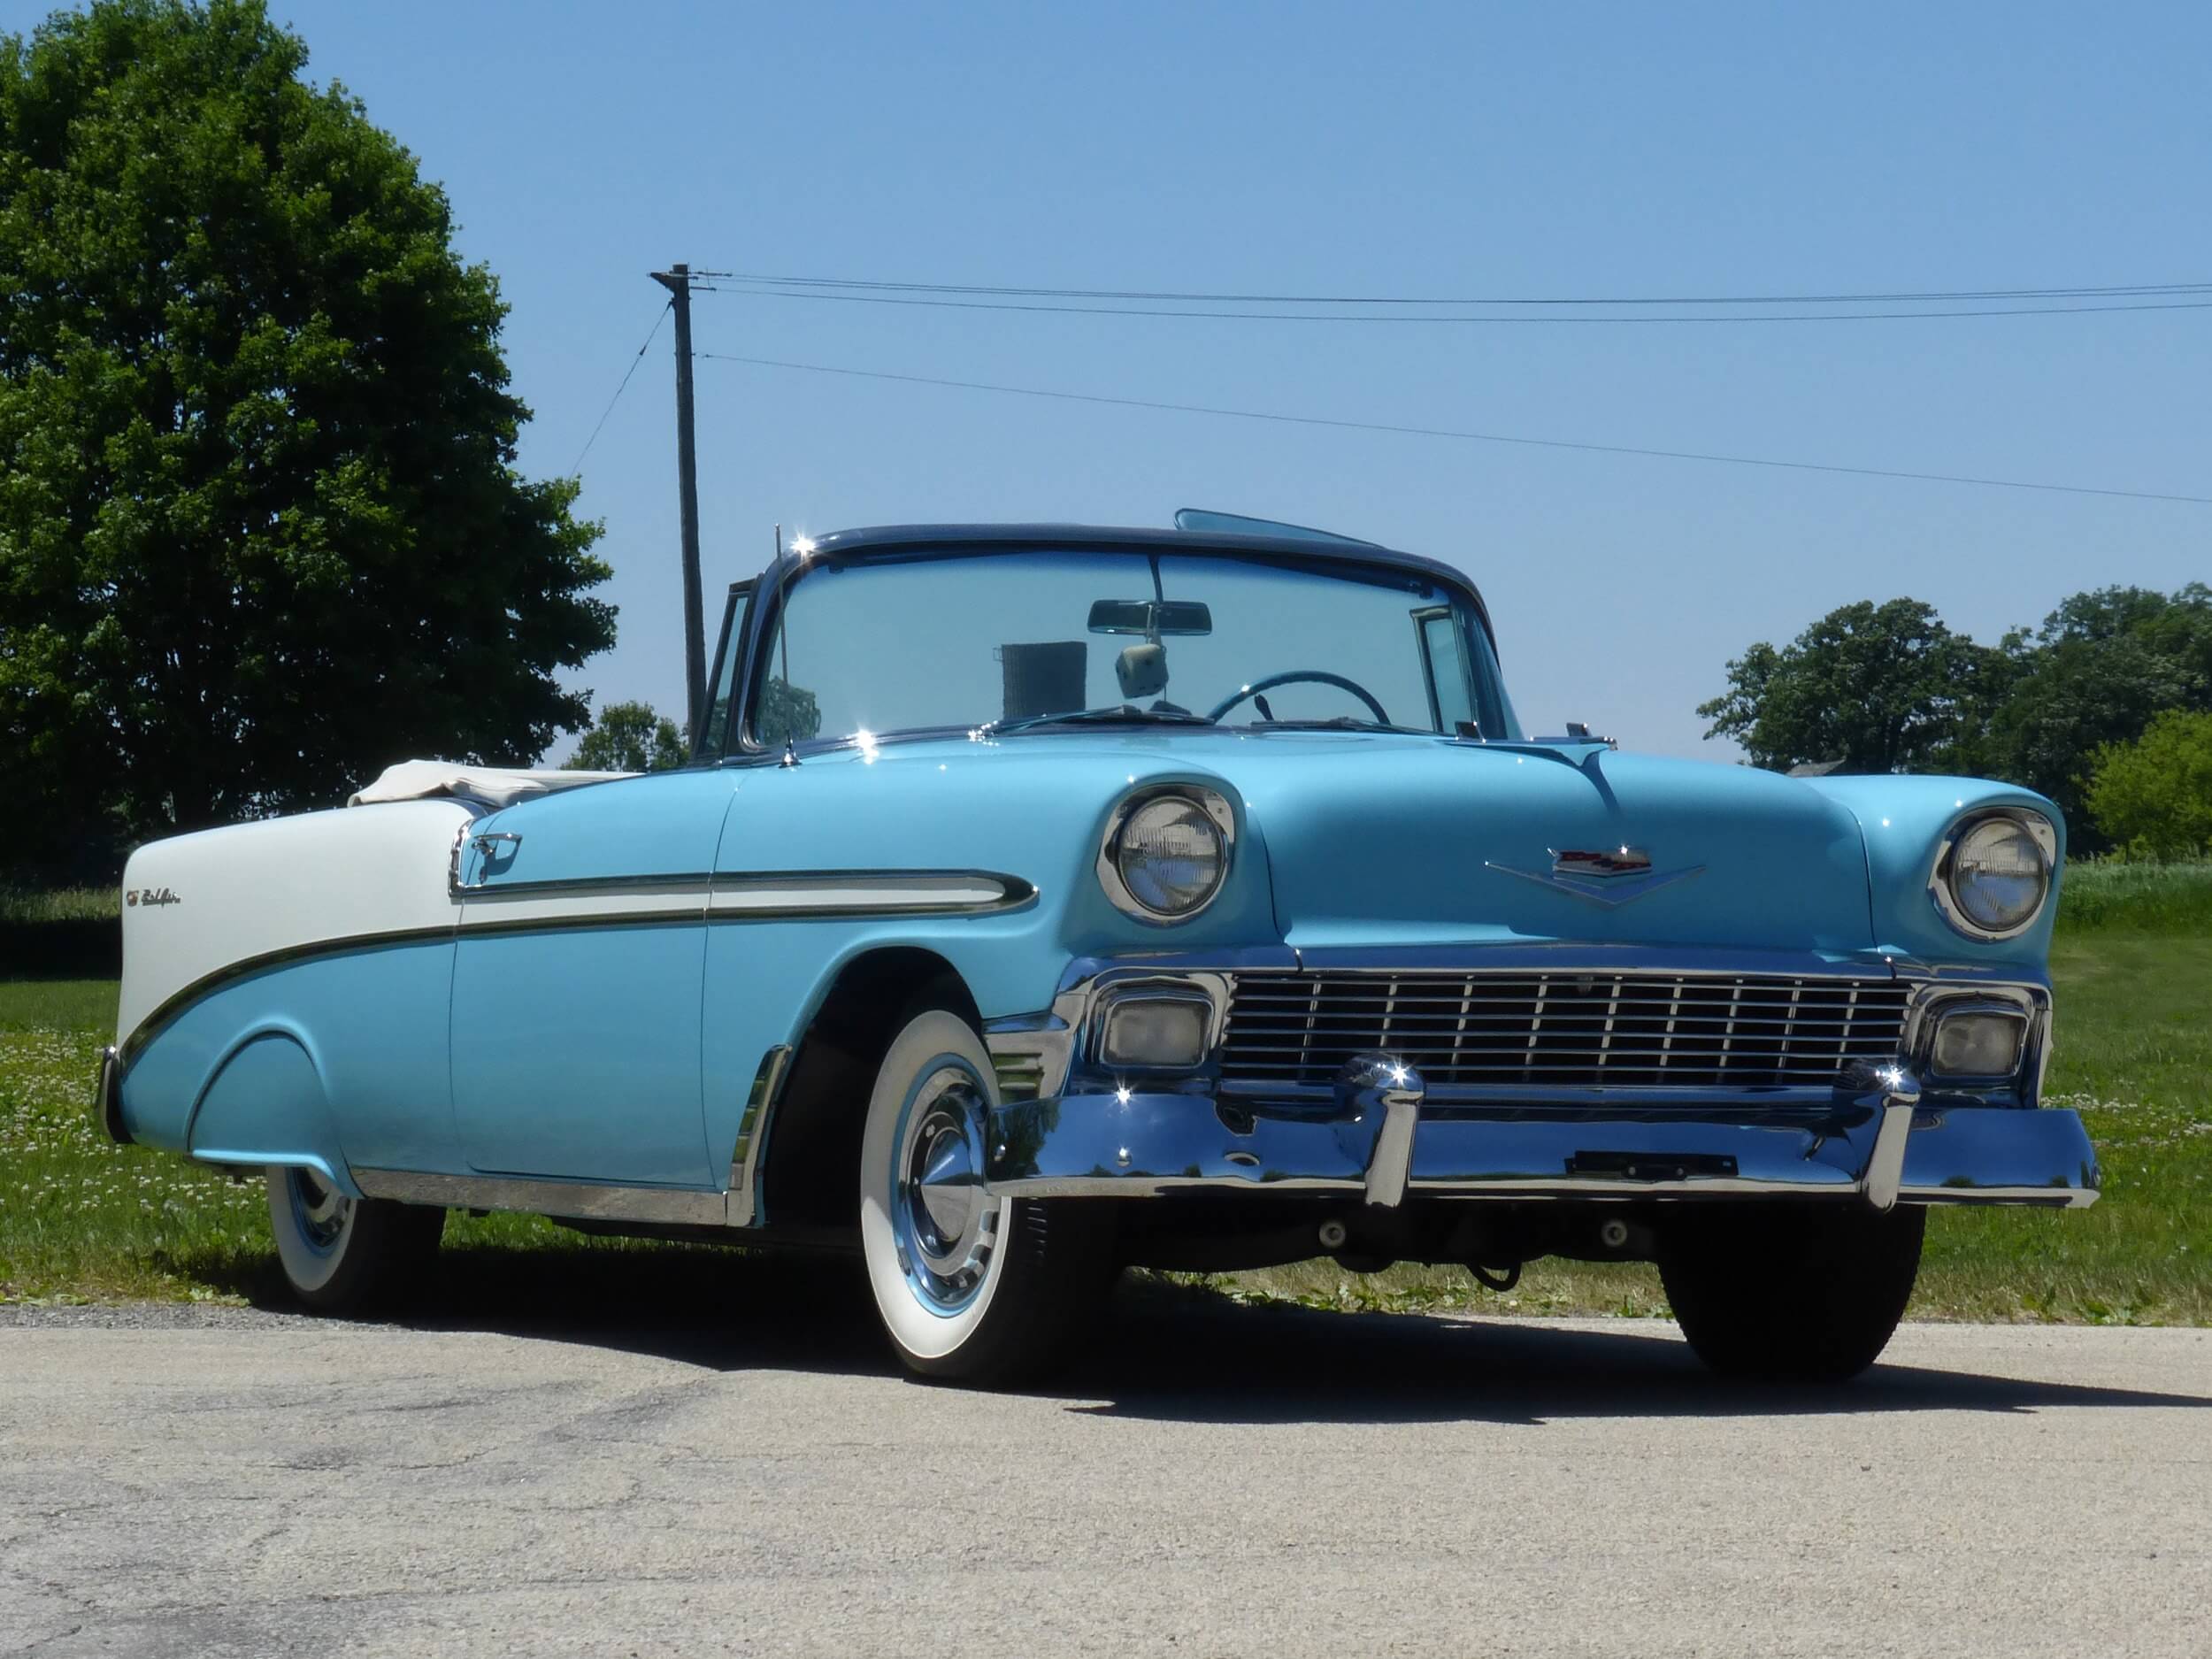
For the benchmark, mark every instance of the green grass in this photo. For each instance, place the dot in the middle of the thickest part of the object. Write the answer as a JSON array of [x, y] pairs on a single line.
[[2109, 895], [73, 1006], [82, 1218], [26, 907]]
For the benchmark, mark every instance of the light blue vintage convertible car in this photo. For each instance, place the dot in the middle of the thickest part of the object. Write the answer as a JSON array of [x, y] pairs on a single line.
[[1045, 899]]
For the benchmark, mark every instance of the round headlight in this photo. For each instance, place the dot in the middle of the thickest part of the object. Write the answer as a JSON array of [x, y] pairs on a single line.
[[1166, 856], [1999, 873]]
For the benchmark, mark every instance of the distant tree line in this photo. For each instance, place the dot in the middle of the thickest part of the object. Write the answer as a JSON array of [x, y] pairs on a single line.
[[2106, 708]]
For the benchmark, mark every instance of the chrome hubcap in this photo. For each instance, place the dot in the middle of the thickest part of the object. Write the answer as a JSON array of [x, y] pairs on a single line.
[[321, 1209], [947, 1224]]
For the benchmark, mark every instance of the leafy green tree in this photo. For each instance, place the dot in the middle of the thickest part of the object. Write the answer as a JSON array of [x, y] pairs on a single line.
[[1884, 687], [2101, 668], [261, 530], [2154, 795], [630, 737]]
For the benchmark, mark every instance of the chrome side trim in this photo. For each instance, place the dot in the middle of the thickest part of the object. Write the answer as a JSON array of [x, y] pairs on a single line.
[[576, 1201], [2042, 1197], [613, 901], [801, 894], [582, 887], [887, 892], [744, 1208]]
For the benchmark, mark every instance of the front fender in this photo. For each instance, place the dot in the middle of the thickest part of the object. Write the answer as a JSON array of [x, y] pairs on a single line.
[[1903, 820]]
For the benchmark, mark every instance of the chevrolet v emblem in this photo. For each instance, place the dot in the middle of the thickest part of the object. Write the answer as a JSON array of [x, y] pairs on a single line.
[[1611, 878]]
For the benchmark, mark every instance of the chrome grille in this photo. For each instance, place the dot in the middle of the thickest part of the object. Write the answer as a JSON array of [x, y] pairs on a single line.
[[1563, 1030]]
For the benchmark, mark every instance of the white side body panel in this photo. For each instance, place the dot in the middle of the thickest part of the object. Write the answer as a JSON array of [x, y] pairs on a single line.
[[196, 904]]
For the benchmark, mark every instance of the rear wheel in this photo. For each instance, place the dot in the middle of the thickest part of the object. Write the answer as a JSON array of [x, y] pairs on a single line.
[[340, 1253], [970, 1286], [1792, 1291]]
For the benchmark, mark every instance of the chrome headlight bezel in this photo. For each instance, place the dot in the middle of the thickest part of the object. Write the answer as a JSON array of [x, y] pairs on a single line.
[[1941, 874], [1218, 811]]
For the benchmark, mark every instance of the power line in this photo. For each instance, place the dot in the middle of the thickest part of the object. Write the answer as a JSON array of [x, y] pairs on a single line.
[[1919, 297], [1469, 437], [624, 387], [1340, 299], [1536, 321]]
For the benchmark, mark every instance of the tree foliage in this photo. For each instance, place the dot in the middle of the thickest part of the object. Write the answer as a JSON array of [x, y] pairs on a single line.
[[630, 737], [1890, 688], [261, 530], [2101, 666], [2154, 795], [1880, 687]]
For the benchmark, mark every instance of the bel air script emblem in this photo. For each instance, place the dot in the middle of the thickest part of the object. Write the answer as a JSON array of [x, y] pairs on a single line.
[[1611, 878], [152, 897]]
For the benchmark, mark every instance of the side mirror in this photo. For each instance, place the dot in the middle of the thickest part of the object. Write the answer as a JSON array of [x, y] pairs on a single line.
[[1150, 618]]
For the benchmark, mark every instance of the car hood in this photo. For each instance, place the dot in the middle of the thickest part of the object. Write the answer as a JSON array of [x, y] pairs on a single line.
[[1389, 840], [1403, 840]]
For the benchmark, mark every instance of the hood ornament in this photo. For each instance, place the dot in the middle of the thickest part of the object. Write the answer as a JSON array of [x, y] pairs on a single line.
[[1611, 877]]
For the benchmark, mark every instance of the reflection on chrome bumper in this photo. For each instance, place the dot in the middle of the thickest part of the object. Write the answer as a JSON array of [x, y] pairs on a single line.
[[1131, 1145]]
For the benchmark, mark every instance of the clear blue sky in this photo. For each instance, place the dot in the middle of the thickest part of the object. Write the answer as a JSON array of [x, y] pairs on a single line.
[[1446, 149]]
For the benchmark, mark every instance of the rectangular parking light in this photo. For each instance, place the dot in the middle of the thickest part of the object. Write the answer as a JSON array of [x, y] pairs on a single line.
[[1977, 1043], [1154, 1032]]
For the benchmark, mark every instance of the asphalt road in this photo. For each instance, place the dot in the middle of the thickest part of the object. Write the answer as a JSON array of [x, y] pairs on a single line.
[[732, 1467]]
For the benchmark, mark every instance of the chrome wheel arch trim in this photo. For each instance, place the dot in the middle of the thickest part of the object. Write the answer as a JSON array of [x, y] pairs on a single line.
[[744, 1208]]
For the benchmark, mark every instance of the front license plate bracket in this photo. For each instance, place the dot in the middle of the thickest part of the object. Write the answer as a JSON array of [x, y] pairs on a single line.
[[1652, 1166]]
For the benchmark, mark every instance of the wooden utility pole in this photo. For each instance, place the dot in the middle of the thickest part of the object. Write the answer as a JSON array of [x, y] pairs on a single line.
[[677, 281]]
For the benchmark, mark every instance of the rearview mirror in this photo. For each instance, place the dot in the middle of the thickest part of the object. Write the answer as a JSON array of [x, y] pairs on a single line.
[[1150, 617]]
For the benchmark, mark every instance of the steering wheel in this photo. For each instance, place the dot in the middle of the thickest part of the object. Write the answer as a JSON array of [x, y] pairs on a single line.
[[1317, 676]]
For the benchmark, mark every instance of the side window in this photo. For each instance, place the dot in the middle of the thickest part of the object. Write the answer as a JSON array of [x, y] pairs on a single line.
[[1451, 698], [720, 705]]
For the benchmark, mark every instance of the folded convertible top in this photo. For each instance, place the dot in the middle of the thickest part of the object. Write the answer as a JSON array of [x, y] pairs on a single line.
[[489, 787]]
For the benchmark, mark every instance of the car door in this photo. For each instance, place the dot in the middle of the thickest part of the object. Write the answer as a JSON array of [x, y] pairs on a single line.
[[577, 978]]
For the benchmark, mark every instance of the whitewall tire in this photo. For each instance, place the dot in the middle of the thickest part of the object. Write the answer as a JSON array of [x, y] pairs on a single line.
[[970, 1287], [341, 1253]]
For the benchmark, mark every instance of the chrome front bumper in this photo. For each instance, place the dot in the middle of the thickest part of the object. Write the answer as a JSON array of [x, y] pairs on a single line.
[[1381, 1136], [1382, 1148]]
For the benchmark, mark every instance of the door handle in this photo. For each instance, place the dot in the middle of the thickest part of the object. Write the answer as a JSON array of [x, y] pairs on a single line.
[[483, 844]]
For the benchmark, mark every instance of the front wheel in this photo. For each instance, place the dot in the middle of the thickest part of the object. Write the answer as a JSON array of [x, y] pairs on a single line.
[[971, 1287], [340, 1253], [1793, 1292]]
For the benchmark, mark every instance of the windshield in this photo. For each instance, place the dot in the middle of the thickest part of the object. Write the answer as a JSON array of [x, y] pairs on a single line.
[[1024, 641]]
